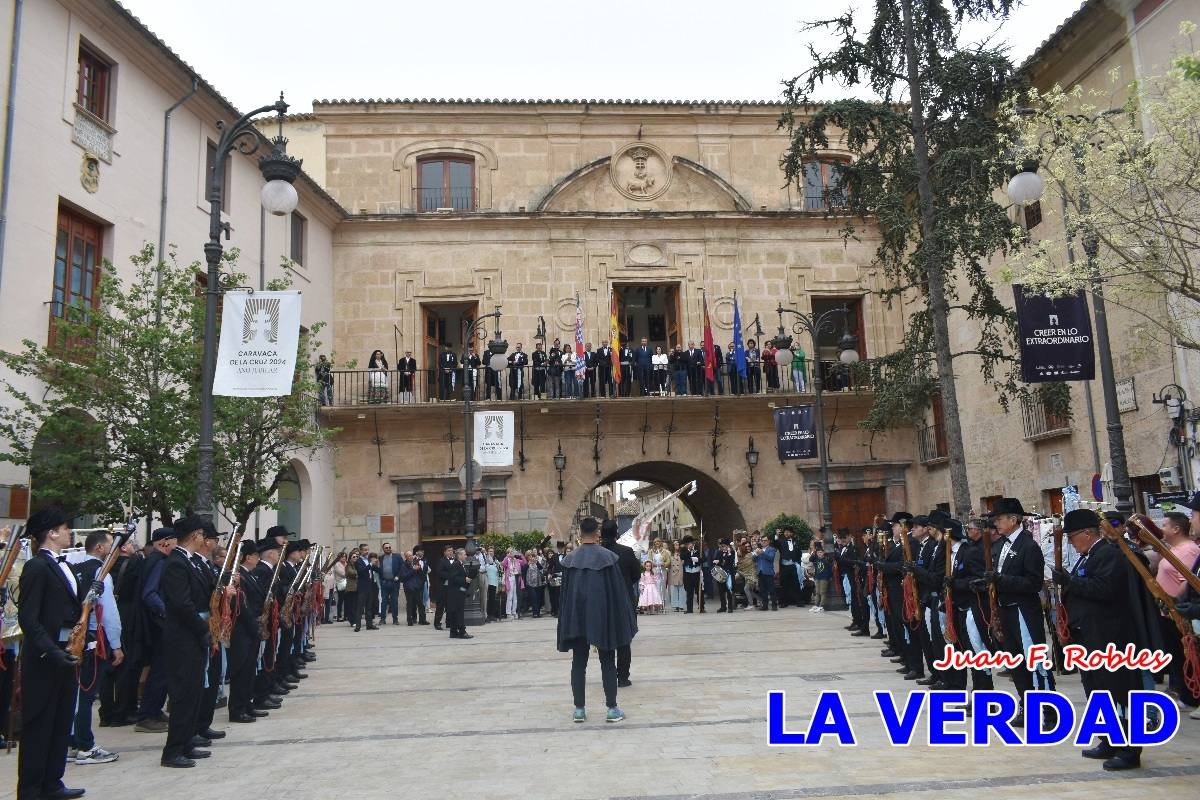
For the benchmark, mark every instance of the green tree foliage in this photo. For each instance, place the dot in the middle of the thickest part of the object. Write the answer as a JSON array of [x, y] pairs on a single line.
[[804, 533], [1122, 180], [112, 405], [109, 402], [922, 177]]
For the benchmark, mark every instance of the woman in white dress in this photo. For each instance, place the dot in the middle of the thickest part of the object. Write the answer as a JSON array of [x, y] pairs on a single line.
[[659, 362]]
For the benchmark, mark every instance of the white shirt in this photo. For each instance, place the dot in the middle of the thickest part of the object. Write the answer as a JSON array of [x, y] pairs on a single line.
[[65, 568], [1007, 547]]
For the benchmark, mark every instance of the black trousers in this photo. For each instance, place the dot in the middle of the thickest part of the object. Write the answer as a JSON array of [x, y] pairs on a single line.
[[767, 590], [351, 610], [626, 388], [624, 659], [185, 686], [440, 611], [208, 700], [539, 381], [691, 587], [391, 600], [243, 658], [580, 651], [48, 706], [414, 609], [454, 615], [107, 694], [553, 591], [789, 585]]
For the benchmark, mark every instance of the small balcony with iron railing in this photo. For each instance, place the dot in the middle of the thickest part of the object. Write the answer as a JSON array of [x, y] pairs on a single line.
[[435, 199], [931, 441], [1041, 423]]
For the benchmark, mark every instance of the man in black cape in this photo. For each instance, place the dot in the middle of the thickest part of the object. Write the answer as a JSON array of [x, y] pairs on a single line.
[[595, 612], [1102, 595]]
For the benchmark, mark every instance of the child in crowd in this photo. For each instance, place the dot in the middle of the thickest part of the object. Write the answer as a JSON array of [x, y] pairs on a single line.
[[650, 600]]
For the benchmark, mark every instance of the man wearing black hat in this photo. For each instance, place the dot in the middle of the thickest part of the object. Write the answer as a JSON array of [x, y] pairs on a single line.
[[1018, 574], [458, 583], [293, 554], [929, 569], [245, 636], [851, 569], [49, 607], [150, 717], [971, 606], [186, 641], [1096, 593], [270, 684], [903, 646], [790, 578], [212, 683]]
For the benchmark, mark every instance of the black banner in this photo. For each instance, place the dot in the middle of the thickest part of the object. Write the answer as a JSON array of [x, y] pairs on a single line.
[[1055, 336], [795, 432]]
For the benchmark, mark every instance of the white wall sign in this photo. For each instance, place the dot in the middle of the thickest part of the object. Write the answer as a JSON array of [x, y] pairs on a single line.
[[494, 438], [260, 332], [1126, 397]]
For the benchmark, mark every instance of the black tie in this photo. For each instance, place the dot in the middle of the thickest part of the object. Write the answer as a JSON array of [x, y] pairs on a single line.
[[60, 559]]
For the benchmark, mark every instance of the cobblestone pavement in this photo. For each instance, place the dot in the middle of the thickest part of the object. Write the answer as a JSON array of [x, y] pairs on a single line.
[[406, 712]]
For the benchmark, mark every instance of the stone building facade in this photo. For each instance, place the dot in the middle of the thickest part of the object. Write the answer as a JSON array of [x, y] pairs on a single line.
[[462, 206]]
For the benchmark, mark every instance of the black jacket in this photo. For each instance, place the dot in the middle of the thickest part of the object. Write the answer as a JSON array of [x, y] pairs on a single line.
[[47, 605], [627, 560], [185, 596], [252, 596], [455, 576], [1021, 574]]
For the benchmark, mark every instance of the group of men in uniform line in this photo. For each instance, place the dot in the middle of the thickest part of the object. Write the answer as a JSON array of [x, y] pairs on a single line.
[[1004, 608], [163, 597]]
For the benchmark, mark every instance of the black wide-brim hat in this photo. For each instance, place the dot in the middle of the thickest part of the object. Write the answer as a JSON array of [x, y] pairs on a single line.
[[268, 544], [277, 530], [954, 528], [920, 519], [901, 516], [1007, 505], [293, 547], [210, 531], [940, 519], [1081, 519], [46, 520], [248, 548]]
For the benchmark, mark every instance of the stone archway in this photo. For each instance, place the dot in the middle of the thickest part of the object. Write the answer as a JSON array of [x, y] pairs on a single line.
[[711, 503]]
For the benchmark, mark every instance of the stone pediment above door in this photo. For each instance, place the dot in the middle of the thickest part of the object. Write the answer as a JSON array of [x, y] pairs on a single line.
[[641, 177]]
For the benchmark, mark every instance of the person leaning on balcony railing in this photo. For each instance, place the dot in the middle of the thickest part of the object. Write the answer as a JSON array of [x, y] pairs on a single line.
[[377, 377], [407, 367], [538, 359], [800, 369]]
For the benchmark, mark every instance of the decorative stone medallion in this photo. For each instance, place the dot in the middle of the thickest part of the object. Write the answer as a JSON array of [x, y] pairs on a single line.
[[89, 173], [640, 171]]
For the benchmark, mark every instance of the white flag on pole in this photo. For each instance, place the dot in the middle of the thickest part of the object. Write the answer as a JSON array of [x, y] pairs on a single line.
[[260, 333]]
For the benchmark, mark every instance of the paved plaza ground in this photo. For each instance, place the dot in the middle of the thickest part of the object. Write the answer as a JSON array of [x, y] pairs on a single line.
[[408, 713]]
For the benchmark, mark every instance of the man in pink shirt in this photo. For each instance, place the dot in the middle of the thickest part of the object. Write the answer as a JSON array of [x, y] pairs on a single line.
[[1175, 528]]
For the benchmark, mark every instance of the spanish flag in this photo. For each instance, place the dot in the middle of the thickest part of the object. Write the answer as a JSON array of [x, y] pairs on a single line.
[[710, 351], [615, 347]]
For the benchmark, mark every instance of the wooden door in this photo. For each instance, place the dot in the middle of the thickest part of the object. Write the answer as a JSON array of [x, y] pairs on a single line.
[[431, 338], [855, 509], [939, 427], [672, 311]]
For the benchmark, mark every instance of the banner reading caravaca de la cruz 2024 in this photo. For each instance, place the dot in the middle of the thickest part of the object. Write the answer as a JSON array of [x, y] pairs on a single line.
[[1055, 337], [260, 332], [795, 432]]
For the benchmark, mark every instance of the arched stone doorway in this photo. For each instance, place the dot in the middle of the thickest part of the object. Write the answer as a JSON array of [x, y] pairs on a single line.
[[712, 505], [289, 499]]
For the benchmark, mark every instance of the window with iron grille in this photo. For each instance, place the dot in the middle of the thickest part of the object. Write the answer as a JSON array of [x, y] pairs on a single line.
[[823, 189]]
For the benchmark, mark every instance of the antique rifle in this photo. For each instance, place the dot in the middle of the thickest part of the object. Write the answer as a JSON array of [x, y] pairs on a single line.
[[289, 602], [12, 551], [78, 637], [1191, 648], [993, 621], [912, 601], [949, 631], [270, 606], [218, 604], [1062, 625]]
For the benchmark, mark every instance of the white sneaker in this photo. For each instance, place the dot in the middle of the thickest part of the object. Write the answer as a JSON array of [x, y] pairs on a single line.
[[1195, 714], [820, 609], [94, 756]]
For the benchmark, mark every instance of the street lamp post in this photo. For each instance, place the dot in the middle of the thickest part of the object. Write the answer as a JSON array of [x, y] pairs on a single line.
[[278, 197], [1025, 187], [814, 325], [474, 613]]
